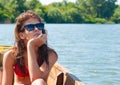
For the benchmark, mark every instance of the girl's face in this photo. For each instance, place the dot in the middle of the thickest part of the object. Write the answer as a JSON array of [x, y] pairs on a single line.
[[29, 34]]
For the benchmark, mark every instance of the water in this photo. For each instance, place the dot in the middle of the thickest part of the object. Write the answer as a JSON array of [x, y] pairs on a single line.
[[91, 52]]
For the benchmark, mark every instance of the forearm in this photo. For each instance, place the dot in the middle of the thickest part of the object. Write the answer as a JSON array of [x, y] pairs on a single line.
[[34, 70], [33, 67]]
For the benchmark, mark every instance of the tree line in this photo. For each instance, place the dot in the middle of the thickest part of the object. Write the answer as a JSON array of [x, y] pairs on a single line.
[[82, 11]]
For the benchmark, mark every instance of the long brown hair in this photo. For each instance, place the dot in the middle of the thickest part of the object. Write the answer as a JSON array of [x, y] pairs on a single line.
[[42, 51]]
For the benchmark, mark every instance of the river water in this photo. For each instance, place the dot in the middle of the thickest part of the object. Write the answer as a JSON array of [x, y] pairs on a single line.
[[90, 51]]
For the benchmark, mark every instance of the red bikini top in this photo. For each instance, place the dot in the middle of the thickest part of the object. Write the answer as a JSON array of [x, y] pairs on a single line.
[[18, 71]]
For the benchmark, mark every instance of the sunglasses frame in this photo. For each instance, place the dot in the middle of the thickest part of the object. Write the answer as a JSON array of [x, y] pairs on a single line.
[[31, 27]]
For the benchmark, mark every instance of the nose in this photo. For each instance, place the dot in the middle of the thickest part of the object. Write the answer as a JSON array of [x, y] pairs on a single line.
[[35, 28]]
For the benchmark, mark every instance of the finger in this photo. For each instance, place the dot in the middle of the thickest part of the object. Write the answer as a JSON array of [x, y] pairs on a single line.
[[40, 35]]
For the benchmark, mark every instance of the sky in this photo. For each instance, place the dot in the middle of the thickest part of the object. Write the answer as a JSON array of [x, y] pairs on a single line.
[[118, 2], [46, 2]]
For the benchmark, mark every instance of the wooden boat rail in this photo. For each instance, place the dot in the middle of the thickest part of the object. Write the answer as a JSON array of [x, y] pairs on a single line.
[[61, 76]]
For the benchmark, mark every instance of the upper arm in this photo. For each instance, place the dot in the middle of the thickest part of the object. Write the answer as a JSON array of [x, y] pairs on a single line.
[[52, 59], [8, 62]]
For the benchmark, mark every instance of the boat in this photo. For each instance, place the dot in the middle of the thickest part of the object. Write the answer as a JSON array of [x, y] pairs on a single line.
[[59, 75]]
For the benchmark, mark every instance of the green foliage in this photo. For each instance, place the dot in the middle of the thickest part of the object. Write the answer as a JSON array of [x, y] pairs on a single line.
[[100, 20], [92, 9], [33, 4], [36, 6], [2, 17], [54, 16], [116, 15], [72, 16], [83, 11]]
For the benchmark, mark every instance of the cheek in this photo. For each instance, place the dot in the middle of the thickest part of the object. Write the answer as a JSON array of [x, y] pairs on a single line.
[[28, 35]]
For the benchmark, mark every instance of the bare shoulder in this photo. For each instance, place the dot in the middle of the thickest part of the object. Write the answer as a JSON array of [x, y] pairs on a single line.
[[8, 58], [52, 56]]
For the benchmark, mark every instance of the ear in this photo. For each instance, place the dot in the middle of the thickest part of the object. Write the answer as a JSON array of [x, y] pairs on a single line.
[[22, 35]]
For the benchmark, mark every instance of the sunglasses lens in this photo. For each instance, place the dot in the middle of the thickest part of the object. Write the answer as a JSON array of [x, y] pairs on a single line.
[[40, 26], [29, 27]]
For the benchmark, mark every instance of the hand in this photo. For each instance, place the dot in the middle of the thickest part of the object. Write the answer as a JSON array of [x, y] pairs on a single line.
[[38, 41]]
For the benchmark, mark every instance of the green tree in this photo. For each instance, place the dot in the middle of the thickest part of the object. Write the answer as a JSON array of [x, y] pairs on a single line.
[[36, 6], [13, 8], [33, 4], [116, 15], [88, 11], [54, 16], [5, 11], [107, 8], [2, 15], [92, 9], [72, 16]]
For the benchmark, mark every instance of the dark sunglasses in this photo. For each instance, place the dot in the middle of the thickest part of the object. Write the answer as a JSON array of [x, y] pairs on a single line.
[[31, 27]]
